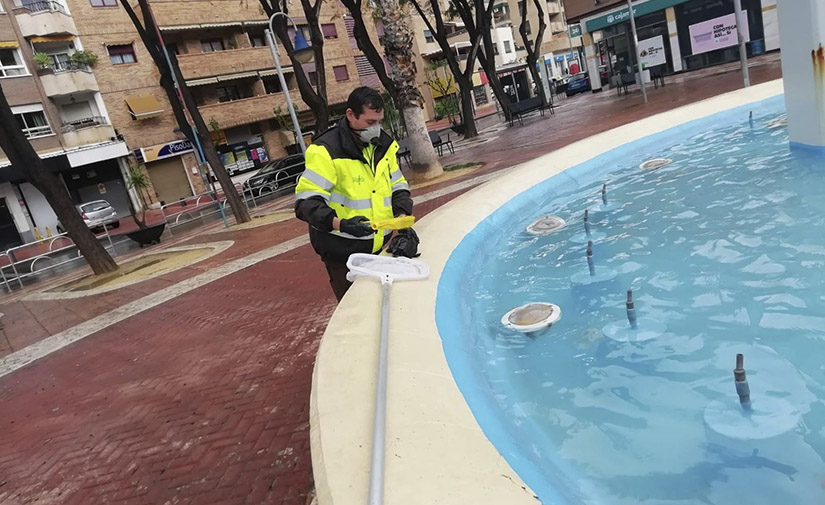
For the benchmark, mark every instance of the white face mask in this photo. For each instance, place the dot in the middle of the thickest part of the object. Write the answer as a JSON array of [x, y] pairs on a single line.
[[370, 134]]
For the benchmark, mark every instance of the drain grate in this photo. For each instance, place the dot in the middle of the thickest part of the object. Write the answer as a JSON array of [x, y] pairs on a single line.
[[545, 225], [655, 163]]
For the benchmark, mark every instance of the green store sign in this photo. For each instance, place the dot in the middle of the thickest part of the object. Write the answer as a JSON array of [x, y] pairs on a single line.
[[622, 15], [575, 30]]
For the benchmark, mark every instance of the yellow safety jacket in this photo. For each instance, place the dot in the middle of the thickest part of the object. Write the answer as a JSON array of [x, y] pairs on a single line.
[[342, 180]]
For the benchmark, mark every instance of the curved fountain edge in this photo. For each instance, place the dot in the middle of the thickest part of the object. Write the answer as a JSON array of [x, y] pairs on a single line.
[[436, 450]]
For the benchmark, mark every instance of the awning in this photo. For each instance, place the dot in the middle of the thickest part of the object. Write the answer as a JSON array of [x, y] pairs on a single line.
[[232, 77], [53, 38], [267, 73], [9, 44], [143, 106], [221, 25], [257, 22], [202, 26], [118, 43], [201, 82]]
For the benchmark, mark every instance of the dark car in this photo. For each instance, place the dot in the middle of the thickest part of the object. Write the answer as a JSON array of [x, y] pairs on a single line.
[[579, 83], [275, 174]]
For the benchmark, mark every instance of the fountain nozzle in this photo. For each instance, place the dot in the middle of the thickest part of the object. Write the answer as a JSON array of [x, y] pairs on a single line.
[[587, 223], [631, 310], [742, 387], [590, 263], [604, 193]]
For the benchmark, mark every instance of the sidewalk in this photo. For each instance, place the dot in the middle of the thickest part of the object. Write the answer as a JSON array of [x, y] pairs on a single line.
[[193, 388]]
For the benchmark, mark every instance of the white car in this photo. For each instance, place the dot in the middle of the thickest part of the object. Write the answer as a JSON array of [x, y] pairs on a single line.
[[96, 215]]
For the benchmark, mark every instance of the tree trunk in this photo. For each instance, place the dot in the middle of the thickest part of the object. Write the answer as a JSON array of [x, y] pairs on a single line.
[[467, 110], [424, 162], [25, 160], [362, 38], [532, 47], [398, 41], [149, 35]]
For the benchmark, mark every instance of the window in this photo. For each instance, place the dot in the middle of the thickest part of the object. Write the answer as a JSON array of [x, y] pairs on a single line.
[[329, 31], [121, 54], [428, 36], [521, 8], [11, 63], [272, 85], [257, 40], [228, 93], [341, 73], [527, 27], [32, 120], [313, 78], [104, 3], [172, 48], [61, 61], [507, 47], [212, 45]]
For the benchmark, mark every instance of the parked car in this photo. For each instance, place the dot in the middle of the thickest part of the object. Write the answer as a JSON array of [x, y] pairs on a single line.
[[579, 83], [96, 215], [275, 174]]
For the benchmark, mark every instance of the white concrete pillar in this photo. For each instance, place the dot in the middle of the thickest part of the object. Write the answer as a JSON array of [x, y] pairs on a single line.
[[673, 35], [802, 30], [770, 23], [591, 53]]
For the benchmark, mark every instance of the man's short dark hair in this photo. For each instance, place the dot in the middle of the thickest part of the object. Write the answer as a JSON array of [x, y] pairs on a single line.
[[365, 97]]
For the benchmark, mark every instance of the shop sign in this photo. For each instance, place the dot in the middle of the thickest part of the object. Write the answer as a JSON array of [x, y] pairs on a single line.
[[622, 15], [575, 30], [717, 33], [652, 52], [162, 151], [101, 188]]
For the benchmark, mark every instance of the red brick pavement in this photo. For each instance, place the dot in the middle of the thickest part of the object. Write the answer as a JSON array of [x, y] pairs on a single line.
[[204, 399]]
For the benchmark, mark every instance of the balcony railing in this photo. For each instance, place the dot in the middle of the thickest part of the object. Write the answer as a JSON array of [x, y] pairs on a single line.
[[45, 6], [70, 66], [79, 124]]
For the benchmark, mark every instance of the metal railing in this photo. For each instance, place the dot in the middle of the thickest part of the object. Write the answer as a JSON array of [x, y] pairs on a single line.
[[196, 208], [79, 124], [47, 254], [262, 187], [45, 6], [70, 66]]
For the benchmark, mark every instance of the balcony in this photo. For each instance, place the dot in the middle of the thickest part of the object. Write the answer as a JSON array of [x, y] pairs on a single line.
[[557, 27], [553, 7], [91, 130], [248, 110], [200, 65], [37, 19], [67, 79]]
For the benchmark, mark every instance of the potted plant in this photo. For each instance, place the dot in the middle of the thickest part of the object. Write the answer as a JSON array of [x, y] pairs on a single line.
[[138, 180], [42, 60], [84, 57]]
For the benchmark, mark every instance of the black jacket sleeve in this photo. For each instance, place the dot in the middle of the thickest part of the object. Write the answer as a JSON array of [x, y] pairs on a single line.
[[402, 203], [316, 212]]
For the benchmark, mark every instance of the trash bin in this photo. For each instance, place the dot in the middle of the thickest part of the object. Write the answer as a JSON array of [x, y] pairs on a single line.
[[757, 46]]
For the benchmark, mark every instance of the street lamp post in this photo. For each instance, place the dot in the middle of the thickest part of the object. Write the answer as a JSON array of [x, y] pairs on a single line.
[[636, 49], [303, 53]]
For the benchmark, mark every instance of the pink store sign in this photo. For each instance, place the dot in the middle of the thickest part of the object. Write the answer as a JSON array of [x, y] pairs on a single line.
[[716, 33]]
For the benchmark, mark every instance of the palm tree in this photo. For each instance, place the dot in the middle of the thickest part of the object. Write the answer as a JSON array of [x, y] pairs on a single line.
[[139, 181], [398, 43]]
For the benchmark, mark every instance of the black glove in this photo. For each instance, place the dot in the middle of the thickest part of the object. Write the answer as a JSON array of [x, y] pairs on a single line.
[[357, 226], [404, 244]]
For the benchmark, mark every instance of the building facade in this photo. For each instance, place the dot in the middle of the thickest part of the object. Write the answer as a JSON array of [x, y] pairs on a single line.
[[681, 35], [58, 104]]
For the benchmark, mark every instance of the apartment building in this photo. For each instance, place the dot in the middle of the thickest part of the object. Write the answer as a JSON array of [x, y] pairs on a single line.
[[59, 106], [558, 52], [223, 56]]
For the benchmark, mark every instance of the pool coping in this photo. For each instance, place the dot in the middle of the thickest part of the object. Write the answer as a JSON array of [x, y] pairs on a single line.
[[436, 451]]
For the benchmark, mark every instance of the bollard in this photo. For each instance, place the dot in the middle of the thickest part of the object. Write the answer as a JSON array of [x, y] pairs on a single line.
[[587, 223], [604, 194]]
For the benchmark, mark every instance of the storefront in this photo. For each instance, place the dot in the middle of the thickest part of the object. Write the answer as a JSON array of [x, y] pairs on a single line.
[[515, 81], [167, 171], [99, 181], [241, 148], [675, 35]]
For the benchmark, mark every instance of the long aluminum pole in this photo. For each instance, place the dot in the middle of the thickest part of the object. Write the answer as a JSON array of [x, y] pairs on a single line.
[[379, 430], [636, 50], [273, 48], [743, 52]]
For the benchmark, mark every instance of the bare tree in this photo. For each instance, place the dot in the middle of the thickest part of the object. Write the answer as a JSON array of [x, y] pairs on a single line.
[[533, 46], [181, 94], [464, 78], [479, 23], [398, 43], [365, 44], [445, 87], [21, 154], [314, 97]]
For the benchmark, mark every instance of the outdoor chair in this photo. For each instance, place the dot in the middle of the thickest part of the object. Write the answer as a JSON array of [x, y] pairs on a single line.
[[657, 75], [439, 144], [404, 151]]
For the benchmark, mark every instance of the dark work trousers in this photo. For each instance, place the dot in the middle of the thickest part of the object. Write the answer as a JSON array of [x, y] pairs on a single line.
[[337, 271]]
